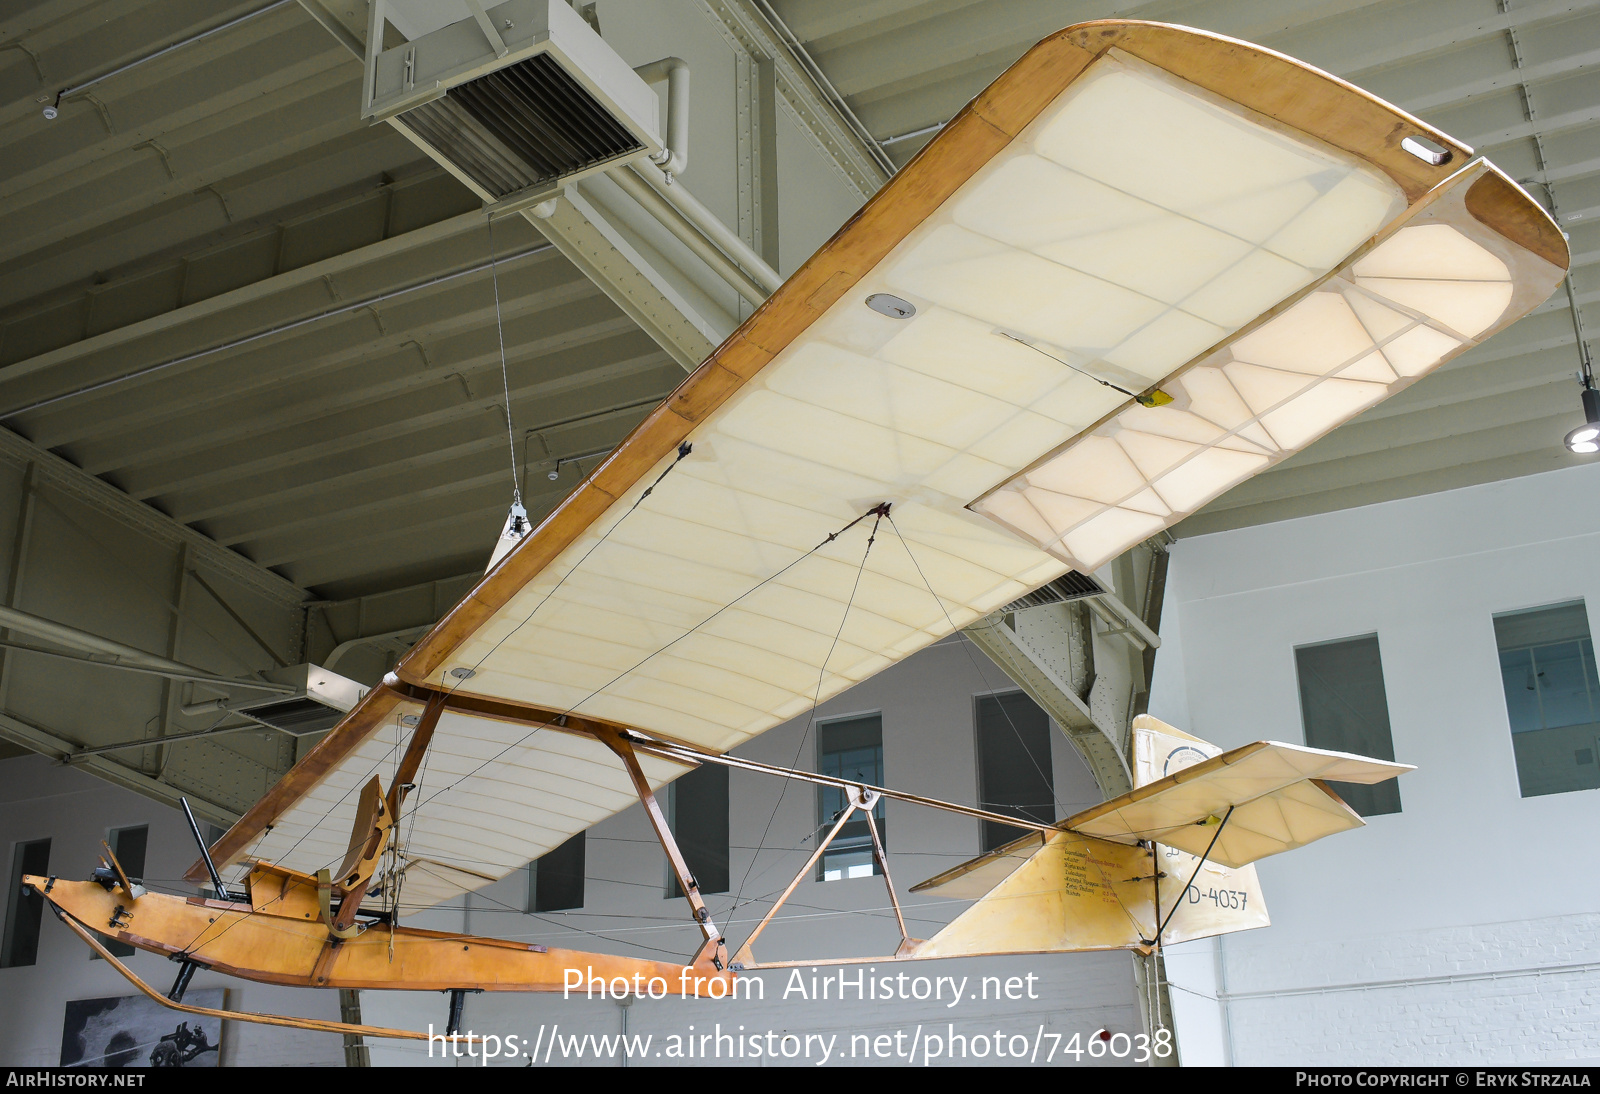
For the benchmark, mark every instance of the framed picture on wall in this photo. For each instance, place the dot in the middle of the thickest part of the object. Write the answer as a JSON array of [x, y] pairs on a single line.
[[132, 1031]]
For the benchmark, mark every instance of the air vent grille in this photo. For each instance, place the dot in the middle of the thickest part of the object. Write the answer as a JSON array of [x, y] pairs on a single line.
[[298, 716], [524, 125], [1069, 586]]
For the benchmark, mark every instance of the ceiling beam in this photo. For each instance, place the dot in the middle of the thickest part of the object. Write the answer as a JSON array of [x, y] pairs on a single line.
[[49, 743], [218, 510], [1028, 661], [615, 421], [348, 31], [192, 478], [243, 403], [821, 117], [1548, 125], [103, 497], [591, 242], [1407, 50], [1504, 81], [301, 110], [271, 301]]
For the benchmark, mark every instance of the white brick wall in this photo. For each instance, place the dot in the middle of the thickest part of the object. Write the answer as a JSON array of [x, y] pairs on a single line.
[[1463, 929], [1500, 993]]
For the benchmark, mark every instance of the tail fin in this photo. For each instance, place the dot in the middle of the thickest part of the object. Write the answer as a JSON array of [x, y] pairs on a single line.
[[1160, 750]]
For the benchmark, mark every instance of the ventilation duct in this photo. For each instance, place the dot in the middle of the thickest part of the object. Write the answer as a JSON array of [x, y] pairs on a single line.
[[1069, 586], [320, 698], [514, 100]]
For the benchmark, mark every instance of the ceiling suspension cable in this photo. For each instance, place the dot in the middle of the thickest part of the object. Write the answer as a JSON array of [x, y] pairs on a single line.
[[1586, 438], [517, 519]]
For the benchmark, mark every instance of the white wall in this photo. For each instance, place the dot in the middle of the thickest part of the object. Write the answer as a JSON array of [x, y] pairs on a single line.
[[1464, 928], [39, 798]]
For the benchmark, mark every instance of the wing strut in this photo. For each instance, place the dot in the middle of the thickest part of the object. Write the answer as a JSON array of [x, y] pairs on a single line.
[[861, 798], [907, 943], [418, 746], [715, 946], [858, 799]]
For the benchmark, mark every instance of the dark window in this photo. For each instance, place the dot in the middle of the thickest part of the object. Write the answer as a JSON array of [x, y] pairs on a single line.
[[1345, 709], [1552, 697], [849, 749], [24, 909], [555, 879], [1014, 773], [128, 844], [697, 804]]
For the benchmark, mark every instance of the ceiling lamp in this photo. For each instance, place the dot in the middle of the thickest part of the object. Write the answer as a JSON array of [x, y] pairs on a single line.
[[1586, 438]]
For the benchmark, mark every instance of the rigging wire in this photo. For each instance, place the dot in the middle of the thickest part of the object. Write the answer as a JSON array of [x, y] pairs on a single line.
[[963, 642], [535, 916], [683, 450], [822, 671], [1102, 381], [879, 510], [505, 376]]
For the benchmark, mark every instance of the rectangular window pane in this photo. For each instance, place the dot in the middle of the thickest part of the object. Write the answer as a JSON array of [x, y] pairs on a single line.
[[1522, 697], [128, 844], [1552, 702], [697, 804], [1345, 709], [556, 877], [1014, 772], [849, 749], [24, 910], [1563, 692]]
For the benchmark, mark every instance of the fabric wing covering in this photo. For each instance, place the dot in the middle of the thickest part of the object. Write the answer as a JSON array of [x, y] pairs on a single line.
[[1275, 792], [519, 788], [1132, 210]]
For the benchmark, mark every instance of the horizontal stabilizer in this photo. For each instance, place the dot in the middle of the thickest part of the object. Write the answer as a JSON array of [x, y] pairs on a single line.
[[1275, 790], [1067, 892], [976, 877]]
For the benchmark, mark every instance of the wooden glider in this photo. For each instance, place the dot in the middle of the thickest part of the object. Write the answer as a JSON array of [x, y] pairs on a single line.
[[1145, 264]]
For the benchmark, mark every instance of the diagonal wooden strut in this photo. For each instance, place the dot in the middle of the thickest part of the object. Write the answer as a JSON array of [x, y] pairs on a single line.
[[714, 945], [869, 800], [421, 737], [855, 797]]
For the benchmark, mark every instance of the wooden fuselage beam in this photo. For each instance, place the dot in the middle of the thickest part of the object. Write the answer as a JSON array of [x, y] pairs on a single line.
[[288, 945]]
